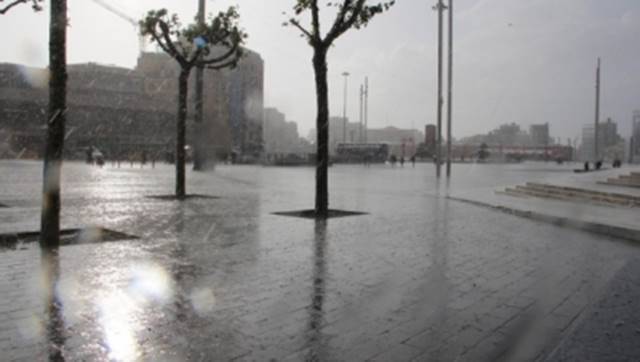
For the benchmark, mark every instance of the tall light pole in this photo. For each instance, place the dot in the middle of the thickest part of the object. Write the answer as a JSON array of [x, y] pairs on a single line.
[[449, 88], [366, 109], [360, 113], [439, 8], [595, 134], [344, 109], [198, 158]]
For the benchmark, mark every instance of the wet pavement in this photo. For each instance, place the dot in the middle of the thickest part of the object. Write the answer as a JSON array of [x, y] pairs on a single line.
[[419, 277]]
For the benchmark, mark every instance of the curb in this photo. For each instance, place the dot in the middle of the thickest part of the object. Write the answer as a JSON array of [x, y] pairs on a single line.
[[596, 228]]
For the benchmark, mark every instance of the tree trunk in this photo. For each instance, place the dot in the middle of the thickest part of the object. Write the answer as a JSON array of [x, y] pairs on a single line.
[[181, 132], [322, 126], [50, 216]]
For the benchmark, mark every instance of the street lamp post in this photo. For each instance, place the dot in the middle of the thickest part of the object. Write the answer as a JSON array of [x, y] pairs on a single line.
[[198, 158], [449, 88], [366, 109], [440, 7], [344, 109], [595, 137], [361, 113]]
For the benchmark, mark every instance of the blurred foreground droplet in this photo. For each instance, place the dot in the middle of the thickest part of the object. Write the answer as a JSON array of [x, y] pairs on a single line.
[[203, 300], [90, 235], [37, 78], [150, 282]]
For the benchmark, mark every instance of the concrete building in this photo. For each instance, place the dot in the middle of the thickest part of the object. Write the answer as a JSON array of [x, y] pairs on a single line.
[[587, 148], [610, 145], [124, 112], [539, 134], [336, 132], [245, 92], [430, 138], [401, 141], [233, 108], [107, 108], [608, 134], [397, 139], [635, 138], [281, 138]]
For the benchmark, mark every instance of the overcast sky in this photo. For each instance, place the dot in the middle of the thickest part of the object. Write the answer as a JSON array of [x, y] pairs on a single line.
[[523, 61]]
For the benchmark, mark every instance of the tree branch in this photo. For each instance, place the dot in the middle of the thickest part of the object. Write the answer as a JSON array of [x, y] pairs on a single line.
[[341, 16], [194, 59], [346, 25], [306, 32], [173, 51], [222, 57], [231, 62], [161, 44], [315, 21], [10, 5]]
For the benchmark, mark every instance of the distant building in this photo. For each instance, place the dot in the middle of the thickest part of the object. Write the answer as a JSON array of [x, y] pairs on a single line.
[[233, 100], [430, 134], [539, 134], [281, 137], [337, 132], [608, 134], [107, 108], [124, 112], [587, 148], [635, 134], [401, 141], [610, 144]]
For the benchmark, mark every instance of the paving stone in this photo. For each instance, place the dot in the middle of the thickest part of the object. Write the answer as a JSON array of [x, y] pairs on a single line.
[[419, 277]]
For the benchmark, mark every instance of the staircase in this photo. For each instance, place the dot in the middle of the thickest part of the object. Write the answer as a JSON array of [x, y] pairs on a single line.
[[574, 194], [631, 180]]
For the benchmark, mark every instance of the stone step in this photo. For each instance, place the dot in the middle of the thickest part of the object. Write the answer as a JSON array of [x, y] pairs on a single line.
[[586, 192], [629, 179], [619, 182], [525, 191], [551, 193]]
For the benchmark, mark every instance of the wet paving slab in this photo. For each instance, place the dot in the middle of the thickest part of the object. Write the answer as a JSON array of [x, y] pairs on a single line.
[[418, 278]]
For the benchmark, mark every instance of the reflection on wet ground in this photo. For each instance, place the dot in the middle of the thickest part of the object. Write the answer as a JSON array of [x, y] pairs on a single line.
[[315, 337], [55, 331], [419, 276]]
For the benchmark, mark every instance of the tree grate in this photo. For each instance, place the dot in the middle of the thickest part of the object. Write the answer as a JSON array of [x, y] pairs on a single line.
[[311, 214], [186, 197], [90, 235]]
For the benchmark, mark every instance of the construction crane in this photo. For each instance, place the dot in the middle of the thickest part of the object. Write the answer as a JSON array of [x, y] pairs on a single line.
[[141, 39]]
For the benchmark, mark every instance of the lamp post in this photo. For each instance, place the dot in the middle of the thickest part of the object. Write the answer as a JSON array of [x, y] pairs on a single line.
[[344, 109], [440, 7], [366, 109], [449, 88], [595, 137], [198, 158]]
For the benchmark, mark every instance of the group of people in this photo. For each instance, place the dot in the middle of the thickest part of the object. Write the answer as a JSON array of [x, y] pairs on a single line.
[[598, 165], [393, 159]]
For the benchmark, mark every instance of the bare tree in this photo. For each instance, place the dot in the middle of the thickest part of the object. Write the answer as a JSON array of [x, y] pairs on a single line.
[[50, 218], [349, 14], [4, 8], [216, 44]]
